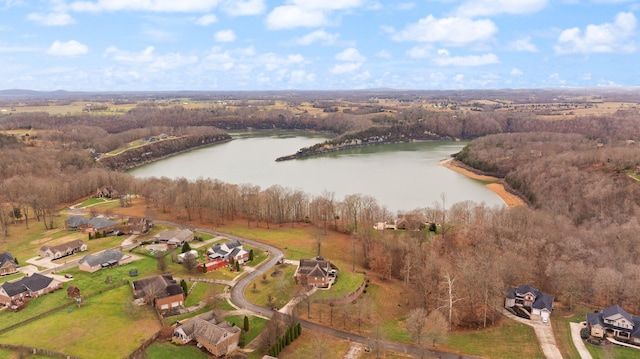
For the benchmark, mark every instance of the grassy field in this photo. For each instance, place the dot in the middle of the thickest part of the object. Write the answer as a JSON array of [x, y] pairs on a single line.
[[612, 351], [280, 287], [84, 332], [498, 342], [560, 320], [346, 284], [171, 351]]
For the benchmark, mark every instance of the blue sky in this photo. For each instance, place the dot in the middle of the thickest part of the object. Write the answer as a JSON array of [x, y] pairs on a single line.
[[137, 45]]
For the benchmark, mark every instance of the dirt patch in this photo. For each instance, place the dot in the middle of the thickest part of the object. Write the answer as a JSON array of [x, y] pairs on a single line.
[[509, 198]]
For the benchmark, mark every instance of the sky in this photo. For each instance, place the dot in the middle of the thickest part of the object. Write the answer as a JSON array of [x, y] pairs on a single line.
[[218, 45]]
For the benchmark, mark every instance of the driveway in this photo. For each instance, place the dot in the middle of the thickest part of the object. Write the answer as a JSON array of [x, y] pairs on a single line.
[[544, 332], [577, 340]]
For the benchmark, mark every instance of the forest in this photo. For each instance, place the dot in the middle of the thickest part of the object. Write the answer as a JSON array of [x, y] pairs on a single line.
[[577, 240]]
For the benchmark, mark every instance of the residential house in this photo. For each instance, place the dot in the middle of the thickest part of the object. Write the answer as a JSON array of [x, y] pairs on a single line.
[[101, 224], [163, 290], [75, 223], [411, 222], [134, 225], [31, 286], [8, 264], [175, 237], [615, 322], [315, 272], [107, 258], [227, 251], [530, 299], [62, 250], [220, 339], [107, 192], [381, 226]]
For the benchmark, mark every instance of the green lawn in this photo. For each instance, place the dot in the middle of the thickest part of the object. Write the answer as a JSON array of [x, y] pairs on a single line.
[[86, 332], [498, 342], [281, 287], [172, 351], [255, 326], [9, 354], [346, 284], [612, 351], [199, 292], [560, 319]]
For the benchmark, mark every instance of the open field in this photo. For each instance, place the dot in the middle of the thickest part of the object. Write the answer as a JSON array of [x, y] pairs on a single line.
[[108, 315], [167, 350], [498, 342]]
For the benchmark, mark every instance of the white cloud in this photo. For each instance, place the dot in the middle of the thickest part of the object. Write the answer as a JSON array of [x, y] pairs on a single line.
[[145, 55], [450, 30], [327, 4], [344, 68], [301, 77], [225, 36], [350, 54], [288, 17], [406, 6], [307, 13], [206, 20], [69, 48], [318, 36], [607, 37], [171, 61], [444, 59], [586, 76], [516, 72], [157, 35], [145, 5], [473, 8], [51, 19], [523, 44], [420, 51], [247, 7]]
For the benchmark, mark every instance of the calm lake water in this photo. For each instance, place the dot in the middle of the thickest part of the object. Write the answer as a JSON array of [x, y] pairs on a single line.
[[400, 176]]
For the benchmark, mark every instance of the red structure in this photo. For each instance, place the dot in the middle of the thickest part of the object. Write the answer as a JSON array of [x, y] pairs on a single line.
[[212, 265]]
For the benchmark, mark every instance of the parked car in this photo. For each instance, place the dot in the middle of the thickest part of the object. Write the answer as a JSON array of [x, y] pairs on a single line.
[[68, 275], [545, 320]]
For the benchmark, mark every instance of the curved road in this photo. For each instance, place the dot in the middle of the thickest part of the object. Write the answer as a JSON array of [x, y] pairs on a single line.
[[237, 295]]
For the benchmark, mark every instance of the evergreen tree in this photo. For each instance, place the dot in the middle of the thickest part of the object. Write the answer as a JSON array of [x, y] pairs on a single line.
[[184, 286], [90, 238], [246, 323], [251, 254], [237, 266], [186, 247], [299, 327]]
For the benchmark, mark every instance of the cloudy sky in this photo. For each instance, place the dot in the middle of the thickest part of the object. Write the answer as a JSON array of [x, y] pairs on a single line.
[[116, 45]]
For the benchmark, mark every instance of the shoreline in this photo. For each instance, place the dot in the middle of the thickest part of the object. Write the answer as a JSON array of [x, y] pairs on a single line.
[[509, 199]]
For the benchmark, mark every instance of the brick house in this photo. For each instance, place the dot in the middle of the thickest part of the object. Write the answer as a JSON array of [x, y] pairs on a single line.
[[163, 290], [31, 286], [8, 264], [316, 272], [219, 339]]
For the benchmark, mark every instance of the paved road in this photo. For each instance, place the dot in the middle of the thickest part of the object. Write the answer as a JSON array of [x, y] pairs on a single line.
[[237, 296]]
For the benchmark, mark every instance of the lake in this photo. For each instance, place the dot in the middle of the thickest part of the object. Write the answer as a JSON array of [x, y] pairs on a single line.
[[401, 177]]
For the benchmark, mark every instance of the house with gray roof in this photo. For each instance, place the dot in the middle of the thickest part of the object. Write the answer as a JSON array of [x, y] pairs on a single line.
[[226, 251], [31, 286], [220, 339], [62, 250], [101, 224], [8, 264], [105, 259], [175, 237], [615, 322], [75, 223], [529, 298]]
